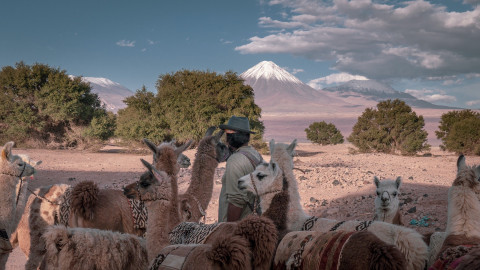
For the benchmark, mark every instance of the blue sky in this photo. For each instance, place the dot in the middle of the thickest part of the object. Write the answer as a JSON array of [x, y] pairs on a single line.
[[430, 49]]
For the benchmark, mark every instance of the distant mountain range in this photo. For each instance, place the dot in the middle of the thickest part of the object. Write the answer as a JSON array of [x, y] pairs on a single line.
[[110, 93], [276, 90]]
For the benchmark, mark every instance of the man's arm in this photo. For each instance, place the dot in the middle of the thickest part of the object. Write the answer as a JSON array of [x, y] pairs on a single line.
[[233, 213]]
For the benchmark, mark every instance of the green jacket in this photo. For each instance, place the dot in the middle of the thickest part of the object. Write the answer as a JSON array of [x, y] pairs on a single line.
[[237, 166]]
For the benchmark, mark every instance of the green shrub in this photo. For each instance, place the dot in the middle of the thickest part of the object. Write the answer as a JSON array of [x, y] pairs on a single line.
[[323, 133], [460, 132], [392, 127]]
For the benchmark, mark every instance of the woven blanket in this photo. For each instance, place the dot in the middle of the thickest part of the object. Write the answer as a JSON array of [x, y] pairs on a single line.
[[64, 211], [191, 233], [451, 257], [172, 257], [139, 213], [311, 250], [310, 223]]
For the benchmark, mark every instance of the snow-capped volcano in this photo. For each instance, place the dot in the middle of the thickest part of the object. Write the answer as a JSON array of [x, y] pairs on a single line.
[[276, 90], [110, 93], [270, 71]]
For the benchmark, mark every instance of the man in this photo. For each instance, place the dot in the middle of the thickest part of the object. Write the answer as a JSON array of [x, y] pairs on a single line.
[[235, 204]]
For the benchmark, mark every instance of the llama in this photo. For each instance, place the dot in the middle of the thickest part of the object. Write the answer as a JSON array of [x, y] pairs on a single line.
[[463, 222], [336, 250], [210, 151], [252, 229], [86, 248], [12, 170], [407, 240], [387, 203], [109, 209]]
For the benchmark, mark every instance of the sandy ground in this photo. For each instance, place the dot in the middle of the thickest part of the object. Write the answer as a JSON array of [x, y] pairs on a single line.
[[335, 184]]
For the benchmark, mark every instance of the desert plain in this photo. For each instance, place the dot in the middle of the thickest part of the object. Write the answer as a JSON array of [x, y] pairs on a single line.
[[333, 183]]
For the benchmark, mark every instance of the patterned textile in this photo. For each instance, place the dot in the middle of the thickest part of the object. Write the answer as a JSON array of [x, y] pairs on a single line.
[[139, 213], [309, 223], [64, 212], [363, 225], [451, 257], [172, 259], [191, 233], [311, 250], [334, 228]]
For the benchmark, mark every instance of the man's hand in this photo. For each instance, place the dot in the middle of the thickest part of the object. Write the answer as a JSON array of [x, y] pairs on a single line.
[[233, 213]]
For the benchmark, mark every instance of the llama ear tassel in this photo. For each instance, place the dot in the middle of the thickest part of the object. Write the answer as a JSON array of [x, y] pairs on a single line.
[[150, 145]]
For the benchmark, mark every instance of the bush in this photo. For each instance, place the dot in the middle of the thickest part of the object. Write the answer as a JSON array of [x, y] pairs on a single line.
[[460, 132], [392, 127], [101, 127], [323, 133]]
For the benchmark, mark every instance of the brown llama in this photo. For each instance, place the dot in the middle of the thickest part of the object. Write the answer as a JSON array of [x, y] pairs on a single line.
[[12, 170], [257, 230], [225, 253], [210, 151], [463, 220]]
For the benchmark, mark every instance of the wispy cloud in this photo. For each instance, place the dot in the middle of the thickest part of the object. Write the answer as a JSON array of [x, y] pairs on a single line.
[[431, 95], [473, 102], [410, 39], [296, 70], [126, 43], [223, 41], [334, 79]]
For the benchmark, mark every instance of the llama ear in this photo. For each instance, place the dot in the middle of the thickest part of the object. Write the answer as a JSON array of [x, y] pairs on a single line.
[[150, 145], [7, 150], [147, 165], [272, 146], [210, 131], [376, 181], [182, 148], [291, 147], [219, 135], [461, 163], [398, 182]]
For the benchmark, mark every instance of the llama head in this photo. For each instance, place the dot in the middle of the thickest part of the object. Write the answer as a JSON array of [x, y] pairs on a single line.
[[388, 192], [211, 145], [13, 165], [283, 153], [153, 185], [267, 177], [182, 160], [467, 176]]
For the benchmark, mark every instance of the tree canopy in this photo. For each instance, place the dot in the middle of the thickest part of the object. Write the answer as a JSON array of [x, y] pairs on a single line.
[[391, 127], [459, 132], [186, 104], [40, 103]]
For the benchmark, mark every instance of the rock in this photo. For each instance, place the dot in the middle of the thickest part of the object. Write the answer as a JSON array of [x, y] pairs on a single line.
[[412, 210], [333, 211], [408, 200], [410, 178], [324, 202], [313, 200], [336, 182]]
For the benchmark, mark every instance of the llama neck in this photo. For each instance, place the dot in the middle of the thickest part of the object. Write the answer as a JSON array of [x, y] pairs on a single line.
[[201, 183], [7, 201], [278, 209], [174, 205], [391, 215], [463, 212], [157, 227], [296, 215]]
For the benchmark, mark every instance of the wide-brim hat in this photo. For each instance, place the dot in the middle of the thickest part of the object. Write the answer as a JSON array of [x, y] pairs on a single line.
[[238, 123]]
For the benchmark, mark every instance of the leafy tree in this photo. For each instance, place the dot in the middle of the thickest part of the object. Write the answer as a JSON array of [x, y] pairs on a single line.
[[191, 101], [42, 103], [460, 132], [323, 133], [139, 119], [392, 127], [102, 126]]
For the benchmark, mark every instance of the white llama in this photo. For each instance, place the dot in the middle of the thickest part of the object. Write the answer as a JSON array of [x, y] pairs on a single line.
[[387, 202]]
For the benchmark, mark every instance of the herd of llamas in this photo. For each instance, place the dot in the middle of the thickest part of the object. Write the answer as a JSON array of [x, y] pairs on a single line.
[[150, 225]]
